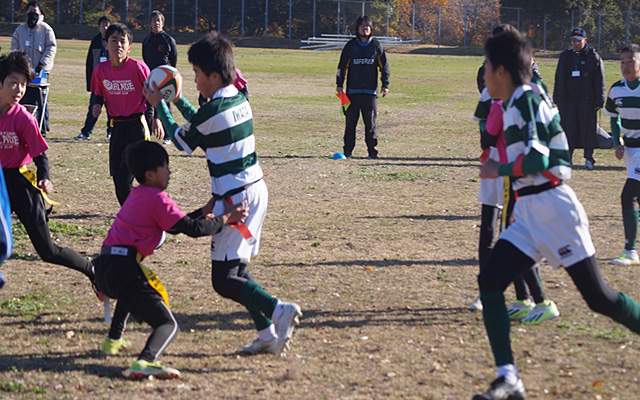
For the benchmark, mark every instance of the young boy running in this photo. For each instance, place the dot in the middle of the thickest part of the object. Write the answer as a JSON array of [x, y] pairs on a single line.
[[118, 84], [549, 222], [20, 143], [138, 228], [622, 107], [223, 128]]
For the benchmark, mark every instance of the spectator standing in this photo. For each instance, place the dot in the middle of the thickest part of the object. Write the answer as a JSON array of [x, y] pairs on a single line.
[[36, 37], [579, 93], [360, 60], [97, 53], [159, 48]]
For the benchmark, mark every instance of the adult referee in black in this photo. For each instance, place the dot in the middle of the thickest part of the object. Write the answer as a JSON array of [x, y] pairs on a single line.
[[360, 60]]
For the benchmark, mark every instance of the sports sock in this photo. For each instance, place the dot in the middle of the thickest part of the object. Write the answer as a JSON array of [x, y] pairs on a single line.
[[258, 302], [510, 373], [628, 313], [497, 324], [630, 223], [267, 334]]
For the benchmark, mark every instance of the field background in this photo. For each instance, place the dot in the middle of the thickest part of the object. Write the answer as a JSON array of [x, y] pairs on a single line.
[[380, 254]]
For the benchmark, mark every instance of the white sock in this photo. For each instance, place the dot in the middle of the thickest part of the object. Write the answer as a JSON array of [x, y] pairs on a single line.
[[277, 311], [267, 334], [510, 373]]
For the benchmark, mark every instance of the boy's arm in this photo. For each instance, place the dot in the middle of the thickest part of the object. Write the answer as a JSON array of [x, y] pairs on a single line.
[[196, 225], [615, 130], [342, 65], [42, 166]]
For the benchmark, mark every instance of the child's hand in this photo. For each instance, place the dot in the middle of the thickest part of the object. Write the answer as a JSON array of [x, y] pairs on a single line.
[[619, 152], [179, 92], [46, 186], [153, 95], [489, 169], [208, 208], [157, 129], [96, 110], [235, 213]]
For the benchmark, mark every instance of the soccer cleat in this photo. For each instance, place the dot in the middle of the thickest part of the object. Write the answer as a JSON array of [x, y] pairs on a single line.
[[142, 369], [285, 325], [476, 305], [519, 309], [541, 312], [501, 390], [261, 346], [372, 157], [628, 257], [111, 347], [166, 141], [82, 136]]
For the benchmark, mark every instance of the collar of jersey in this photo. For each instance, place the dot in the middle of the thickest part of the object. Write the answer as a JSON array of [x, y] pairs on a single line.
[[227, 91]]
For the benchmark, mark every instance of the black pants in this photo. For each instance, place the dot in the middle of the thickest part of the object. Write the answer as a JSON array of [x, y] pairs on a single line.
[[580, 125], [32, 96], [507, 262], [26, 201], [120, 277], [227, 278], [367, 104], [123, 134]]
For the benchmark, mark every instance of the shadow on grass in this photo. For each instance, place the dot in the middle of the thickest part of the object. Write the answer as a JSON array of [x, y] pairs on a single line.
[[60, 362], [382, 263], [430, 217]]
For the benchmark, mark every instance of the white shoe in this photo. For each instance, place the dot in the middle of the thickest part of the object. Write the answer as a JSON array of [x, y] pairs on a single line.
[[628, 257], [541, 312], [285, 325], [519, 309], [476, 305], [260, 346]]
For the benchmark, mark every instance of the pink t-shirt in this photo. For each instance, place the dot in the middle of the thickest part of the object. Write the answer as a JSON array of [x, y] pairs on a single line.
[[20, 138], [146, 213], [494, 127], [121, 87]]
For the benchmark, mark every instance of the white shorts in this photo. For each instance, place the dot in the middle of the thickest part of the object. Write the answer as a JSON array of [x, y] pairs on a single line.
[[228, 244], [492, 190], [553, 225], [632, 162]]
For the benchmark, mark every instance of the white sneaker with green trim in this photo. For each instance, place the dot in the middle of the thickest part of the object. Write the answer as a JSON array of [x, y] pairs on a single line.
[[541, 312], [519, 309], [628, 257]]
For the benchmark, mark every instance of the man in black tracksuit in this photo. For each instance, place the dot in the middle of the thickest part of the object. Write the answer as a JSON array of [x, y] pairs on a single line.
[[579, 93], [159, 48], [362, 57]]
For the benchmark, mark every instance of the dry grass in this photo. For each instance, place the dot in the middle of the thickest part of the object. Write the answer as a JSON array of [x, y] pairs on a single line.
[[381, 255]]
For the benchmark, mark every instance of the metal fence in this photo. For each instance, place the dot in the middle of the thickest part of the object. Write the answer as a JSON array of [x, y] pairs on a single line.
[[464, 26]]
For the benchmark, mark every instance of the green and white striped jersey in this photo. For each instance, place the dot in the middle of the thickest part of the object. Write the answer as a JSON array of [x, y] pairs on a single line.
[[624, 102], [484, 106], [532, 129], [223, 128]]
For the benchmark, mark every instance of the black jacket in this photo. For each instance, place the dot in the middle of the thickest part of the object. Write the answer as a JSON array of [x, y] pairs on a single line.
[[589, 88], [97, 49], [361, 64], [159, 49]]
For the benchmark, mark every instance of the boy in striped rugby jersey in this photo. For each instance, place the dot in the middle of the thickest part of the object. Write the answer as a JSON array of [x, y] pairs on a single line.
[[223, 128], [549, 222], [623, 106]]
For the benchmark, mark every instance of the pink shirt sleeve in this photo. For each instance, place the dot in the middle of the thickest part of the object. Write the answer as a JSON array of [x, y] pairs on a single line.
[[494, 120], [167, 212]]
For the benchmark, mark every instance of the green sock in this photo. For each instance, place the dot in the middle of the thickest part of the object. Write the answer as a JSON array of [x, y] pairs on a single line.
[[628, 313], [259, 303], [630, 222], [497, 324]]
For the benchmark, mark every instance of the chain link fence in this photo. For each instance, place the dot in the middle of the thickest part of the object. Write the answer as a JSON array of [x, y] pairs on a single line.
[[464, 26]]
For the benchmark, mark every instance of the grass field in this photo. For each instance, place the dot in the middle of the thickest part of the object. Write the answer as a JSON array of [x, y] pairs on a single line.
[[380, 254]]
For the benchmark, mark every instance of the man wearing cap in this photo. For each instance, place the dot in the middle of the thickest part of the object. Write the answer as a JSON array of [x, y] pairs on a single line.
[[579, 92]]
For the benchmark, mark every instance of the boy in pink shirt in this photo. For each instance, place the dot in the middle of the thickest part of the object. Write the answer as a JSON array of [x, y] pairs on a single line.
[[136, 232], [118, 84], [21, 143]]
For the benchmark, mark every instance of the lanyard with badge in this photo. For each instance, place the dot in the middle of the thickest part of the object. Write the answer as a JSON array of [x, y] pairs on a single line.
[[103, 54]]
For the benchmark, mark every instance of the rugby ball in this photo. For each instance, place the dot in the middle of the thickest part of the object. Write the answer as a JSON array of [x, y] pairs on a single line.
[[168, 80]]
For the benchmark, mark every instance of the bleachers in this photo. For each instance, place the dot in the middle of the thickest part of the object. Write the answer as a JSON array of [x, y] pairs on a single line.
[[328, 41]]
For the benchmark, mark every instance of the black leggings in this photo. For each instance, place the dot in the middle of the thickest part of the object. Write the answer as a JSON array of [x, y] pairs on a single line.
[[26, 201], [507, 262], [488, 223], [629, 196], [228, 277]]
